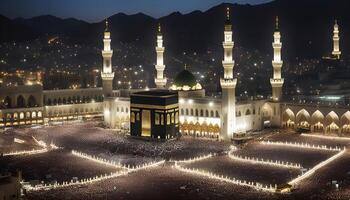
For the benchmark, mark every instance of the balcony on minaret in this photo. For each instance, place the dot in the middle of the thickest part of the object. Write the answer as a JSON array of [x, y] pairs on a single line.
[[228, 62], [228, 27], [107, 35], [160, 81], [228, 83], [160, 67], [160, 49], [107, 76], [277, 64], [277, 45], [277, 82], [107, 54]]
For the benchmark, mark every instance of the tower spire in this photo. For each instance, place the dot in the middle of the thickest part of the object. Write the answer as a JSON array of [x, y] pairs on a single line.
[[228, 13], [277, 80], [160, 80], [106, 26], [336, 48], [228, 84], [107, 74]]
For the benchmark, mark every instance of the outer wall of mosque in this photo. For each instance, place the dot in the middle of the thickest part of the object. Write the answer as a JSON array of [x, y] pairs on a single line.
[[185, 109]]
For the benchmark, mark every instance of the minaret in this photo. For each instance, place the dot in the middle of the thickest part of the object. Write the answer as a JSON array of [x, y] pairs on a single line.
[[277, 80], [160, 80], [228, 84], [336, 49], [107, 74]]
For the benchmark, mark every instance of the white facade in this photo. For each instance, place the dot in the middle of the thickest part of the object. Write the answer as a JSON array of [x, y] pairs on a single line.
[[116, 112], [199, 115], [107, 74], [160, 80], [336, 49], [277, 80], [228, 85]]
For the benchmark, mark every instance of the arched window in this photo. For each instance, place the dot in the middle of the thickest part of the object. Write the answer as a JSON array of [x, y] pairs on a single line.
[[20, 102], [206, 113], [32, 102], [202, 113], [186, 111], [196, 113], [7, 102], [247, 112], [182, 111], [191, 112], [211, 113], [217, 114]]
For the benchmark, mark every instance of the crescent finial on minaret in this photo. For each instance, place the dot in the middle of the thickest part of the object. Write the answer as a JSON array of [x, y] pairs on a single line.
[[228, 13], [277, 22], [106, 29]]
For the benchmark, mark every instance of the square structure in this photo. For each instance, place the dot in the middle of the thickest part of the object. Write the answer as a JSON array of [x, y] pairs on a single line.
[[154, 114]]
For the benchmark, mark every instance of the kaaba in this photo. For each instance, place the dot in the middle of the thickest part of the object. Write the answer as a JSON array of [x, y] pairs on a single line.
[[154, 114]]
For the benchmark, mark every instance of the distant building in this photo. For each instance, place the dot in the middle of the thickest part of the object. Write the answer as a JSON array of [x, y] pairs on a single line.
[[195, 114]]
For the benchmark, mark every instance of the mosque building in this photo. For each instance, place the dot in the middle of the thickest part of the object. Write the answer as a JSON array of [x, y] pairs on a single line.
[[182, 108]]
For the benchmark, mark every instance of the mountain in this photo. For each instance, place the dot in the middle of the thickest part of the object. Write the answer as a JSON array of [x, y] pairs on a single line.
[[10, 30], [306, 28], [48, 24]]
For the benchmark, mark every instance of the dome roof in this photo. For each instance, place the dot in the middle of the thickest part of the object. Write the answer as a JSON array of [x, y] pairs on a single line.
[[185, 78]]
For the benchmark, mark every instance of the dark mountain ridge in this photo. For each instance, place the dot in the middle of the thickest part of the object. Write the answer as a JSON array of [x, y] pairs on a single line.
[[306, 28]]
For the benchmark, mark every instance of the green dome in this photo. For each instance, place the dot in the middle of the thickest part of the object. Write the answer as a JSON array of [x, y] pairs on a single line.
[[185, 78]]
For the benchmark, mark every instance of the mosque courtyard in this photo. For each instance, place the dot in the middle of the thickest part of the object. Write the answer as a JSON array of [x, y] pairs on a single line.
[[86, 161]]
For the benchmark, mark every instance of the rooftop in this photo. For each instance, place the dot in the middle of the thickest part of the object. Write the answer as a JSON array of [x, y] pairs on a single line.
[[156, 93]]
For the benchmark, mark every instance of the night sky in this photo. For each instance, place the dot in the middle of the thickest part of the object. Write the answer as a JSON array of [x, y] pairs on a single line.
[[96, 10]]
